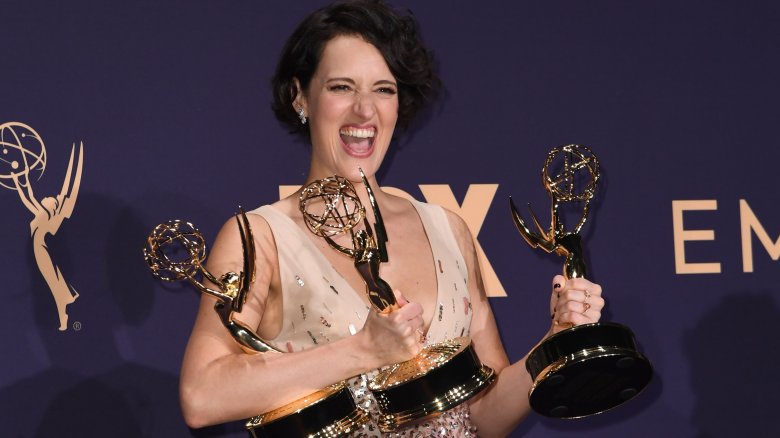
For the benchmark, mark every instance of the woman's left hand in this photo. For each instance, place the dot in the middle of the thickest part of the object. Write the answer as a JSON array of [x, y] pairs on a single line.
[[573, 302]]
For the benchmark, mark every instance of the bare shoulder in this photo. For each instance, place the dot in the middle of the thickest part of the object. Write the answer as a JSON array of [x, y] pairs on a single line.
[[289, 206], [461, 231], [227, 253], [228, 243], [209, 339], [396, 204]]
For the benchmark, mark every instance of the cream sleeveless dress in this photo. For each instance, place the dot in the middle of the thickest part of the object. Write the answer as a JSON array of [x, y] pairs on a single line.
[[319, 306]]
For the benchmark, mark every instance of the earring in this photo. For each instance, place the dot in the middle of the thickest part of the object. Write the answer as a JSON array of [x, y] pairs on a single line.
[[302, 115]]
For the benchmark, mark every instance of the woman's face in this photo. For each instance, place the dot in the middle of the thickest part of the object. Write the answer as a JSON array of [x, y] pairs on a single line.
[[352, 106]]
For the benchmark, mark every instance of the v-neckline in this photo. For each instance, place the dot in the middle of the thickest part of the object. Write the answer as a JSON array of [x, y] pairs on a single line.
[[357, 295]]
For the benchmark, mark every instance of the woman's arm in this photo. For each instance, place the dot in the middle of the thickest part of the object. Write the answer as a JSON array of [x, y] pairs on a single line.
[[219, 382], [499, 409]]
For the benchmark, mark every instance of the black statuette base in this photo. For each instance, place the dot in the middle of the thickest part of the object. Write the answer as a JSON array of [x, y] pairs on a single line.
[[586, 370]]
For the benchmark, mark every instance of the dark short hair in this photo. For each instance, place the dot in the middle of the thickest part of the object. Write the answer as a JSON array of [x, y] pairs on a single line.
[[396, 37]]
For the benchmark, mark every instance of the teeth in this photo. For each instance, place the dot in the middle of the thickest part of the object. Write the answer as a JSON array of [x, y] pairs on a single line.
[[356, 132]]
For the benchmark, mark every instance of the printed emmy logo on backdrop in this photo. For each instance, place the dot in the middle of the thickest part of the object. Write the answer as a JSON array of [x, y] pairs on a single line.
[[23, 155]]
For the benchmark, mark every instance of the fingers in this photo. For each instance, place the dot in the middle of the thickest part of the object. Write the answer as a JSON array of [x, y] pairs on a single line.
[[400, 298], [558, 282], [578, 312], [580, 284], [405, 324], [407, 311], [393, 337], [575, 301], [410, 315]]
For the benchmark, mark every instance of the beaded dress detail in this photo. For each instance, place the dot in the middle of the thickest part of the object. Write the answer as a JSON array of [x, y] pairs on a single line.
[[320, 306]]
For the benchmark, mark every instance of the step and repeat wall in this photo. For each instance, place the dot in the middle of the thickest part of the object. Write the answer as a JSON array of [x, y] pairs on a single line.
[[116, 116]]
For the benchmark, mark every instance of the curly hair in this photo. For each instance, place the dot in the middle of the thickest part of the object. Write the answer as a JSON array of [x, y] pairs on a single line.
[[395, 36]]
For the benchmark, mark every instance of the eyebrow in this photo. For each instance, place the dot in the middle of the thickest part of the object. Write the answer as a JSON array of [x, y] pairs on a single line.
[[352, 81]]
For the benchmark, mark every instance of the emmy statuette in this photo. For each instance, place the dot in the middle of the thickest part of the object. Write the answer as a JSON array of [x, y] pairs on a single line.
[[442, 375], [327, 413], [590, 368]]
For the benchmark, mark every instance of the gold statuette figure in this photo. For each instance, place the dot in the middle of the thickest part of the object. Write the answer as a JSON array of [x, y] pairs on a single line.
[[590, 368], [442, 375], [176, 251], [22, 155]]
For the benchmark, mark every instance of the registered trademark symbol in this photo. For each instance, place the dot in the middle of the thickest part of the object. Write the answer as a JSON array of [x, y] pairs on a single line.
[[77, 325]]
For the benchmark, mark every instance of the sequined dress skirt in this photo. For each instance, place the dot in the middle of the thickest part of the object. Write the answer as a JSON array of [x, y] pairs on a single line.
[[455, 423]]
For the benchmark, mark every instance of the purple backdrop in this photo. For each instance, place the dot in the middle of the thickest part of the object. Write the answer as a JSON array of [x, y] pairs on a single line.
[[171, 100]]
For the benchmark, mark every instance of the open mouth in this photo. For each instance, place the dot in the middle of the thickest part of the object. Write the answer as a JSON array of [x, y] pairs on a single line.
[[358, 142]]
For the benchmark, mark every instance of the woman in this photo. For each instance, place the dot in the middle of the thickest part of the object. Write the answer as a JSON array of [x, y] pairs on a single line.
[[348, 76]]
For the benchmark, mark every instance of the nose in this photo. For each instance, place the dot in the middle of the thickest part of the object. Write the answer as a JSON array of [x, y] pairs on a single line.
[[364, 105]]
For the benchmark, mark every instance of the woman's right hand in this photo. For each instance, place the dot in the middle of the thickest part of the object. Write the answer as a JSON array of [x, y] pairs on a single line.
[[394, 336]]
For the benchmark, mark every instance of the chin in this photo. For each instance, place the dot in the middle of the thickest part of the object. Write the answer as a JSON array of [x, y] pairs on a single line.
[[351, 166], [352, 172]]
